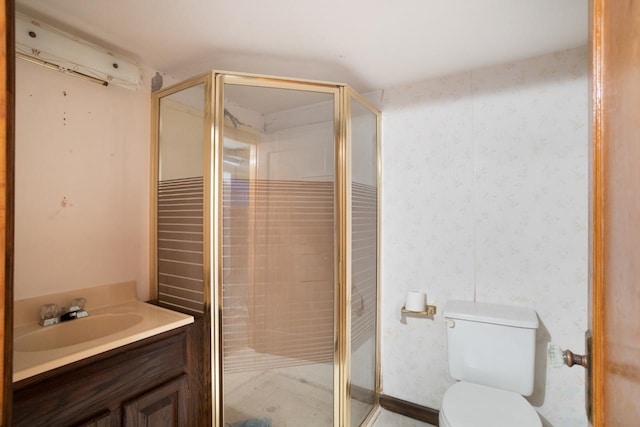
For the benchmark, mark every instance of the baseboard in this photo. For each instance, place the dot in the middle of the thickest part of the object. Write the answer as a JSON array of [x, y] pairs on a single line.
[[411, 410], [363, 395]]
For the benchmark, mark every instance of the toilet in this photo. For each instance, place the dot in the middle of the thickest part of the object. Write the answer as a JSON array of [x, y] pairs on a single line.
[[491, 352]]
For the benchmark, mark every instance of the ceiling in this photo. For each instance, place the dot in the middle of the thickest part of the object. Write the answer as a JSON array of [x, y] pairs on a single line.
[[368, 45]]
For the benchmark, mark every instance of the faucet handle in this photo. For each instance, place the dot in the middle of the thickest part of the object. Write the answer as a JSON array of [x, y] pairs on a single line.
[[77, 304], [49, 311], [49, 314]]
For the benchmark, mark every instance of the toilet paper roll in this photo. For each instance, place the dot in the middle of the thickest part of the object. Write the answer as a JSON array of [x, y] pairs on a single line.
[[416, 301]]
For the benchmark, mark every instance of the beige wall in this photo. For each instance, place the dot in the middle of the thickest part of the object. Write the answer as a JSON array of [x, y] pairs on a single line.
[[88, 144], [182, 123]]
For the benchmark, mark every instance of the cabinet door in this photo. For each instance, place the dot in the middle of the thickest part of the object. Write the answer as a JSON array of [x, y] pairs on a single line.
[[106, 419], [164, 406]]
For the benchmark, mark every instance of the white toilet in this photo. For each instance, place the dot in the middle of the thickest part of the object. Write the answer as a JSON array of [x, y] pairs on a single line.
[[491, 351]]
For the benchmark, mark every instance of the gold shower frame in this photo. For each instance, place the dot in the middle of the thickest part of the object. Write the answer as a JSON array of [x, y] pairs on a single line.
[[214, 82]]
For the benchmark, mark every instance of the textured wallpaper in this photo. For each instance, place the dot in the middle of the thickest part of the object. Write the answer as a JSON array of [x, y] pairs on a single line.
[[485, 195]]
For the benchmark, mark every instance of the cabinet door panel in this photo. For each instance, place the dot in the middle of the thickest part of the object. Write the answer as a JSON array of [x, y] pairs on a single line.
[[106, 419], [164, 406]]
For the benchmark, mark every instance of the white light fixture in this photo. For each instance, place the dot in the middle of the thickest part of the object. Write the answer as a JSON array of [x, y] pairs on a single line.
[[55, 49]]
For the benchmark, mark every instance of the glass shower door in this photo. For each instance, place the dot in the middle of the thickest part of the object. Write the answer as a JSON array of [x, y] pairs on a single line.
[[266, 223], [278, 279], [180, 199], [363, 136]]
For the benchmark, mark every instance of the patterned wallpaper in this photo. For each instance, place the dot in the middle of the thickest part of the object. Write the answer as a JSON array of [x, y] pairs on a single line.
[[485, 180]]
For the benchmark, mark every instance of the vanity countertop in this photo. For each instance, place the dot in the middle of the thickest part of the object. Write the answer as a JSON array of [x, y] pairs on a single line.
[[39, 349]]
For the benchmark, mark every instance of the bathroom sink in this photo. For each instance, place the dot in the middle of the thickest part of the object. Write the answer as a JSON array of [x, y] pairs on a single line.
[[74, 332]]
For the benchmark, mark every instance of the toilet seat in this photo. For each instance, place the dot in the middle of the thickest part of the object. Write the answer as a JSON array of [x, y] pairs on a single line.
[[473, 405]]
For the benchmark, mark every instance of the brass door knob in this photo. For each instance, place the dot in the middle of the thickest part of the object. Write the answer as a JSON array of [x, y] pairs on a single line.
[[575, 359]]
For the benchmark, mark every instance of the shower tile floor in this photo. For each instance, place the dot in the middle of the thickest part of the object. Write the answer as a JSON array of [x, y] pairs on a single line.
[[292, 396], [287, 396]]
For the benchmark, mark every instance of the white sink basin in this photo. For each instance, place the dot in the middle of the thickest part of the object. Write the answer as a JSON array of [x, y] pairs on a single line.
[[74, 332]]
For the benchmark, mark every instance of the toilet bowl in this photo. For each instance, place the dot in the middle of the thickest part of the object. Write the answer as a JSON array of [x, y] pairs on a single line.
[[474, 405], [491, 352]]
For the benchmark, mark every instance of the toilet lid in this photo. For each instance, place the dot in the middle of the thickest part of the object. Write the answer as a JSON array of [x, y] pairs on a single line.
[[471, 405]]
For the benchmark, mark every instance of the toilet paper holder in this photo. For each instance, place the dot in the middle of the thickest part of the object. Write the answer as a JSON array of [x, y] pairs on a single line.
[[430, 311], [416, 305]]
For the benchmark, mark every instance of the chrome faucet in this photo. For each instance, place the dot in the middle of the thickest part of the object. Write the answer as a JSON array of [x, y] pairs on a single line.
[[50, 314], [75, 311]]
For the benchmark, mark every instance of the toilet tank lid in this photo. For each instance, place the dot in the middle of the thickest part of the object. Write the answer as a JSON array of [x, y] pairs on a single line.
[[508, 315]]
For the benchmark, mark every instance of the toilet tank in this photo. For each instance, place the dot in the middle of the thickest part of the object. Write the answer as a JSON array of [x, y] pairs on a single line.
[[492, 344]]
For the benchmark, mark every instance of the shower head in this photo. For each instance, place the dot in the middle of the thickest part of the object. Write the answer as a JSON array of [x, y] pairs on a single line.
[[234, 120]]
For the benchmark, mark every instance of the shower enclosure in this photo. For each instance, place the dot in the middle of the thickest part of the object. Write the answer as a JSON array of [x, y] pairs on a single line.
[[266, 223]]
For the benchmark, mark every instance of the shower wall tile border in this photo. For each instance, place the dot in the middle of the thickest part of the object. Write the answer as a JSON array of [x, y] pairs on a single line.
[[180, 244]]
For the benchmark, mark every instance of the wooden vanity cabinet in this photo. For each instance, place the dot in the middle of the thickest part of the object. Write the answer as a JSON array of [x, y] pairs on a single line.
[[162, 406], [142, 384]]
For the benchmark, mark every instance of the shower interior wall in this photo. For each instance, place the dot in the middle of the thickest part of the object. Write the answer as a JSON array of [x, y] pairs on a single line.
[[284, 311]]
